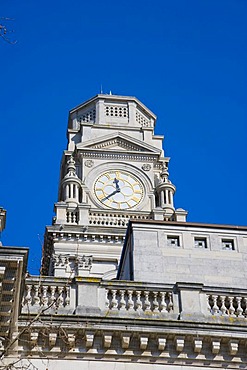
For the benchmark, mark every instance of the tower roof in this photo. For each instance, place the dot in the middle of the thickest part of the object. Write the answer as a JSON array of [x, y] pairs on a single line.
[[114, 98]]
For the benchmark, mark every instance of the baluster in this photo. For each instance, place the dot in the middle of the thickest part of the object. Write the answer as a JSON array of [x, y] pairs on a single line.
[[208, 302], [60, 296], [147, 305], [170, 303], [28, 298], [67, 299], [138, 301], [114, 302], [215, 308], [122, 303], [155, 302], [69, 217], [130, 302], [231, 308], [245, 305], [223, 306], [107, 301], [239, 308], [36, 297], [163, 305], [53, 294], [44, 298]]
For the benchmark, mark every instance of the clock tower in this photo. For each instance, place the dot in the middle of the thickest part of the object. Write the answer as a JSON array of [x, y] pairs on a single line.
[[114, 169]]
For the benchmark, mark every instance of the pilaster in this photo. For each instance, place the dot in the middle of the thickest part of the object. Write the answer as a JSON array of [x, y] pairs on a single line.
[[132, 112], [100, 112]]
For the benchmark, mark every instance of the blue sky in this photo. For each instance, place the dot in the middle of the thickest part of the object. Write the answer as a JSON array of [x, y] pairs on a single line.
[[185, 59]]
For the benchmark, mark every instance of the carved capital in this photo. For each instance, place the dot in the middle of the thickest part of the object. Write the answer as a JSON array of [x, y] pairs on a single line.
[[85, 262], [60, 260]]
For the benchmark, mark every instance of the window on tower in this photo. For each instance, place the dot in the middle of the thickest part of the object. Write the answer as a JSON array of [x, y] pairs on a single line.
[[227, 244], [173, 241], [200, 242]]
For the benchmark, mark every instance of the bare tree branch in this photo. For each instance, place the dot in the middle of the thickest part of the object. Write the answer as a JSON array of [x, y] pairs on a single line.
[[5, 31]]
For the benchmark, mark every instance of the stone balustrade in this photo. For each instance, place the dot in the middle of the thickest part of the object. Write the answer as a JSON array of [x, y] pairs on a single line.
[[139, 300], [45, 295], [182, 301], [157, 322], [114, 218], [228, 305], [72, 217]]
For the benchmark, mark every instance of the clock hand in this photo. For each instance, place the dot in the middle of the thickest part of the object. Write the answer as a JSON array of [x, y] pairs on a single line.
[[110, 195], [116, 181]]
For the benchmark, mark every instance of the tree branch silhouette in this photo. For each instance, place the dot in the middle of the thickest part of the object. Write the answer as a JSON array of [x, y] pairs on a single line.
[[5, 31]]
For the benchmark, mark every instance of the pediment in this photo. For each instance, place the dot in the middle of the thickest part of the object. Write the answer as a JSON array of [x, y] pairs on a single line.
[[118, 142]]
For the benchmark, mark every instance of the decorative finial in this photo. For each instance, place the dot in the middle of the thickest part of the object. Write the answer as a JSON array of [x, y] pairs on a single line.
[[164, 173], [71, 161], [71, 167]]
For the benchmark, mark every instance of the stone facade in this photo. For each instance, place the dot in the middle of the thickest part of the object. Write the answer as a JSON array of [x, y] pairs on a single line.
[[165, 294], [185, 252]]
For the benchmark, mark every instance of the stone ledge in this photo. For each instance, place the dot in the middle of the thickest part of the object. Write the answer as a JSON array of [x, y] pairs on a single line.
[[162, 348]]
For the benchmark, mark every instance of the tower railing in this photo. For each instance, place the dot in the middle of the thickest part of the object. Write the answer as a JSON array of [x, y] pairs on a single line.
[[114, 218]]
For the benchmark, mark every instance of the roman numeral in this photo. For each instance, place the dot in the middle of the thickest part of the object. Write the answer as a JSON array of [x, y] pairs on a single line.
[[137, 191]]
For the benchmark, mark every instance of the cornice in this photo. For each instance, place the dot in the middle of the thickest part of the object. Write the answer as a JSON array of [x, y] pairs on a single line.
[[85, 236], [113, 155], [191, 224], [164, 346]]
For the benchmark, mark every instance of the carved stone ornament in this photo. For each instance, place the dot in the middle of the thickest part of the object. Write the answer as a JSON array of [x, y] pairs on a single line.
[[89, 163], [146, 167], [60, 260], [85, 262]]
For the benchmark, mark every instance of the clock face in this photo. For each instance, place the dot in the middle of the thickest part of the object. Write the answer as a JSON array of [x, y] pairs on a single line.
[[118, 189]]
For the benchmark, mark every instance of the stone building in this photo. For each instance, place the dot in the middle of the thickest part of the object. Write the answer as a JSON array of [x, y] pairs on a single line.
[[126, 282]]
